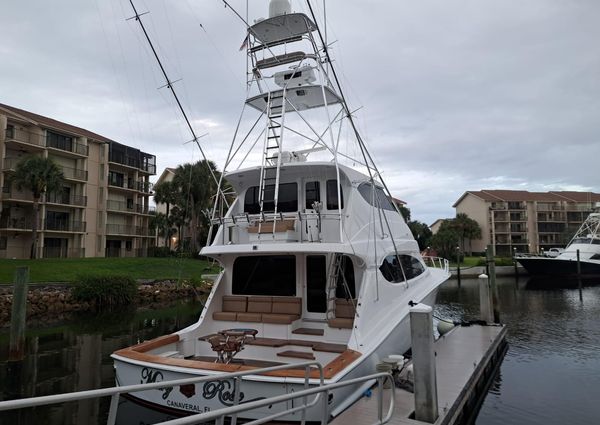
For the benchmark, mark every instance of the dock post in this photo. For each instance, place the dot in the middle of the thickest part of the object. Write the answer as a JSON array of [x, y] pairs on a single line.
[[18, 315], [514, 253], [458, 264], [485, 300], [423, 357], [492, 276], [579, 276]]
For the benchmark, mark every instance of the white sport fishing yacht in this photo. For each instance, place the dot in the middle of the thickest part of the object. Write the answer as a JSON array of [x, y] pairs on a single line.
[[317, 262], [585, 244]]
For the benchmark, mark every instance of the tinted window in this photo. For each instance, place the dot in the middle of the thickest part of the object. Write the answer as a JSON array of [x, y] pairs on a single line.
[[316, 284], [312, 194], [332, 195], [366, 191], [393, 266], [265, 275], [345, 279], [287, 200]]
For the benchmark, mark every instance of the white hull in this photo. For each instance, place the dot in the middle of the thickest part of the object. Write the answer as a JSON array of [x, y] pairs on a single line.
[[218, 394]]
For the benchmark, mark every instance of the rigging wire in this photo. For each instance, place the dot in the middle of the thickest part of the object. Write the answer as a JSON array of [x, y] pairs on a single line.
[[170, 86]]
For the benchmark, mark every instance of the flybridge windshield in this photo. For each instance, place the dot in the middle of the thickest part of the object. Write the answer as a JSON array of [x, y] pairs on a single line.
[[587, 241], [380, 200]]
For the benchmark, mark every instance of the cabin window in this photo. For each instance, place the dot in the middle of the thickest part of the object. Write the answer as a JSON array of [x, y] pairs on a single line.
[[287, 199], [393, 265], [313, 194], [332, 195], [316, 284], [264, 275], [380, 200], [345, 279]]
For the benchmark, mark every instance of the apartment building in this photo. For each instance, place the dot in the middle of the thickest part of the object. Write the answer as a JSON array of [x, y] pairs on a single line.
[[522, 221], [103, 208]]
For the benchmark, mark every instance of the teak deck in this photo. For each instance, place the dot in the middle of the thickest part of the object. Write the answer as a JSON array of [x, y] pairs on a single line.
[[140, 352], [463, 359]]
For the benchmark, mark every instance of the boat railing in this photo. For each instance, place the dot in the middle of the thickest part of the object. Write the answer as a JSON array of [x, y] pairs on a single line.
[[115, 392], [220, 415], [437, 263], [305, 226]]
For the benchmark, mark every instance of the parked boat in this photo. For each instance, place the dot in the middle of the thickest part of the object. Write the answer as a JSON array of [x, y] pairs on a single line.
[[586, 242], [317, 262]]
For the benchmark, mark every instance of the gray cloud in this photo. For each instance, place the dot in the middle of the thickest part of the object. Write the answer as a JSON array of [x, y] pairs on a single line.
[[455, 95]]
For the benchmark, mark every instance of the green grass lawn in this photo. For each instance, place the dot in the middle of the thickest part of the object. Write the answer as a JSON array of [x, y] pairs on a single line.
[[480, 261], [68, 269]]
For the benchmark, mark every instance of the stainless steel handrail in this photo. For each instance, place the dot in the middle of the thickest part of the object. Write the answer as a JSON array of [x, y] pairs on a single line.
[[115, 392], [219, 415]]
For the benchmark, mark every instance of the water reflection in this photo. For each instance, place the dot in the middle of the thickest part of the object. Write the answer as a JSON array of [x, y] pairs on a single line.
[[75, 356], [551, 373]]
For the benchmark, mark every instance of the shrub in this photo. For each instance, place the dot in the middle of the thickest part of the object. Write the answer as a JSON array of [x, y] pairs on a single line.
[[159, 251], [106, 290]]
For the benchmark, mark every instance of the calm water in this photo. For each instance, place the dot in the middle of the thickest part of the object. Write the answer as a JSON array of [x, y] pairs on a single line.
[[551, 372], [550, 376]]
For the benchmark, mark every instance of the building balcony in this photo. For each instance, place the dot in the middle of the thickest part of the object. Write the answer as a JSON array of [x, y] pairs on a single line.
[[125, 229], [549, 207], [71, 147], [75, 174], [58, 252], [138, 186], [62, 199], [17, 223], [24, 139], [129, 157], [65, 226], [126, 207], [10, 164], [10, 194]]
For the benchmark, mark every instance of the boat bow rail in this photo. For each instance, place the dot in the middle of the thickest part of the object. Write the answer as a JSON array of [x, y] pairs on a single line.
[[437, 263]]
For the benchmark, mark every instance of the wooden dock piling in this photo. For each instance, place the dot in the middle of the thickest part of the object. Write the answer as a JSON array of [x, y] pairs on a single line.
[[18, 315]]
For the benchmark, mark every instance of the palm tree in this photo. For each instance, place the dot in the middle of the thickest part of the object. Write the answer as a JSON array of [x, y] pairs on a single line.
[[38, 175], [466, 228]]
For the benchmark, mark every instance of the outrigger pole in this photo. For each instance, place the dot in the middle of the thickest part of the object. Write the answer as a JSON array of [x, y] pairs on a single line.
[[169, 84]]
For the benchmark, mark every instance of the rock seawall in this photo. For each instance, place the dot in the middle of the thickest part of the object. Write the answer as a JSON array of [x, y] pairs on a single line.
[[54, 300]]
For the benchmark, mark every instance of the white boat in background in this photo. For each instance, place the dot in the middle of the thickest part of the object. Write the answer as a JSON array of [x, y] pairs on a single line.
[[317, 262], [585, 244]]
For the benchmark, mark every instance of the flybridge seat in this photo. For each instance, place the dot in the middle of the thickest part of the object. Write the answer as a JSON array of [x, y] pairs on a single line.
[[344, 314], [283, 59], [277, 310]]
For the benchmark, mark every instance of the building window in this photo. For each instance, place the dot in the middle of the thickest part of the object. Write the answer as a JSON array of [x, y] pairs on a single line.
[[59, 141], [128, 245], [3, 242], [116, 179]]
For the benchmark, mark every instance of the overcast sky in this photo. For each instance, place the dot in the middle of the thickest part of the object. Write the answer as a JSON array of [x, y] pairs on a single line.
[[454, 95]]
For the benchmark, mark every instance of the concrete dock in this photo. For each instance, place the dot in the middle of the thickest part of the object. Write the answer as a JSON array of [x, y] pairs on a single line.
[[466, 359]]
